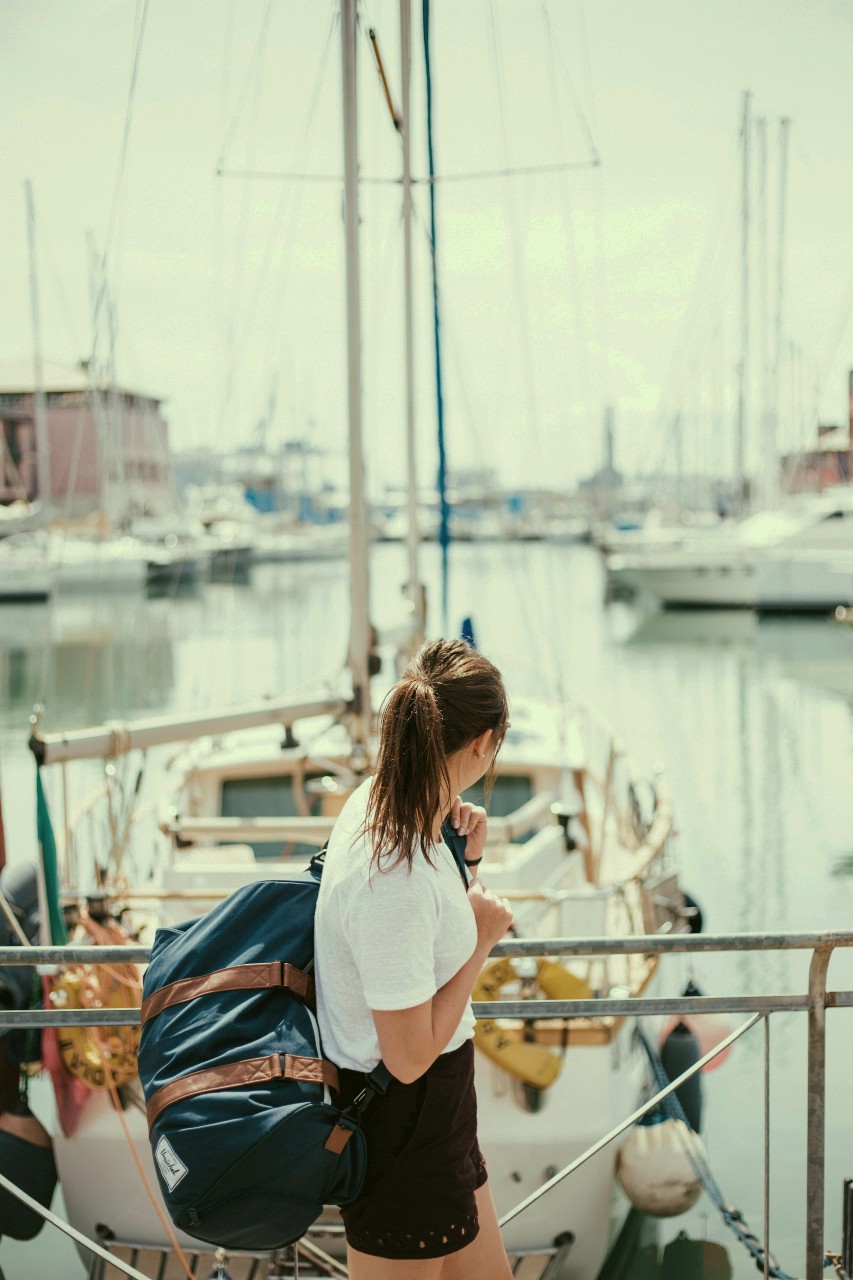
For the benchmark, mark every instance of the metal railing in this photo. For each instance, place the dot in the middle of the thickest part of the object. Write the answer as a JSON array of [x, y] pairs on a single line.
[[814, 1002]]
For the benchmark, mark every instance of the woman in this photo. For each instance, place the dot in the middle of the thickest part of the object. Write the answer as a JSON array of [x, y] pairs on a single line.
[[399, 944]]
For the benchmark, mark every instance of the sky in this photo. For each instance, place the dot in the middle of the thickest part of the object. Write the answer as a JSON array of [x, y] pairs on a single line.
[[615, 280]]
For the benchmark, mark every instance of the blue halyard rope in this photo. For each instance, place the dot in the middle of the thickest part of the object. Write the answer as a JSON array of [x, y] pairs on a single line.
[[732, 1217], [444, 526]]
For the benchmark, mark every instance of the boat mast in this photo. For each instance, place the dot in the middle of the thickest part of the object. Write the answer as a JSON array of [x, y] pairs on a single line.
[[414, 587], [444, 505], [95, 384], [743, 387], [359, 645], [768, 460], [773, 441], [45, 491]]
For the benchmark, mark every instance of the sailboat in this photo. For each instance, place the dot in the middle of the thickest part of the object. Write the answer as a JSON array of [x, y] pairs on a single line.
[[577, 839]]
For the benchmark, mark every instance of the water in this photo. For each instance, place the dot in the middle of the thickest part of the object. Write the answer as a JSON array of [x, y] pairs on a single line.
[[752, 721]]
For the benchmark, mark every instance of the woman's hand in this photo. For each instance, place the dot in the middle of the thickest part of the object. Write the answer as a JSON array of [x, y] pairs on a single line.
[[470, 820], [492, 914]]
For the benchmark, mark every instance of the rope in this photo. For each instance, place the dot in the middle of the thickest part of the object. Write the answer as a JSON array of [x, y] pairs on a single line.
[[444, 527], [540, 604], [522, 300], [575, 288], [125, 141], [254, 76], [12, 920], [732, 1217], [146, 1182]]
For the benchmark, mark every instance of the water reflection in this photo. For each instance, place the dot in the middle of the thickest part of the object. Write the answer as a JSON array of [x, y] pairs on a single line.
[[814, 651], [89, 660]]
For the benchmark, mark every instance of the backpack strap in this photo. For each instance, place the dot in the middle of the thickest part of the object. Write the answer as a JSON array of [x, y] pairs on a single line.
[[239, 977], [376, 1082], [457, 845], [233, 1075]]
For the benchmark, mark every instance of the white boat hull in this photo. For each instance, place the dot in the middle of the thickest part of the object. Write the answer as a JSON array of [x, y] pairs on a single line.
[[101, 573], [596, 1089], [796, 557], [24, 580], [806, 582], [722, 582]]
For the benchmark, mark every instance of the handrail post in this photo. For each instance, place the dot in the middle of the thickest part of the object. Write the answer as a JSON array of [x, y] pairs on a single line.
[[816, 1120], [766, 1267]]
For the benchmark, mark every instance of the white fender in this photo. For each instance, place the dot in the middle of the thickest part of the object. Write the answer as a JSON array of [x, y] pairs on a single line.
[[655, 1170]]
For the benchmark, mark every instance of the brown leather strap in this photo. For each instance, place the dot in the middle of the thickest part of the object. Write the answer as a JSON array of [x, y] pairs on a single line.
[[240, 977], [338, 1139], [234, 1074]]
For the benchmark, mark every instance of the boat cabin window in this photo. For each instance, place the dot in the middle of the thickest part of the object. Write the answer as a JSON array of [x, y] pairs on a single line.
[[510, 792], [267, 798]]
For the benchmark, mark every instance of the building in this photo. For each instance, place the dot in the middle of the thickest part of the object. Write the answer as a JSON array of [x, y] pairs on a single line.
[[829, 461], [108, 446]]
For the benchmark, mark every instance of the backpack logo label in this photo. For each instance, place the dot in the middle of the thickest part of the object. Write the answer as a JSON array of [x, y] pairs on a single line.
[[171, 1165]]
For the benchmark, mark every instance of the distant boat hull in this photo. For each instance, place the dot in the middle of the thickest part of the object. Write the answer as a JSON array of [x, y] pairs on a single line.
[[805, 582], [682, 581], [24, 575]]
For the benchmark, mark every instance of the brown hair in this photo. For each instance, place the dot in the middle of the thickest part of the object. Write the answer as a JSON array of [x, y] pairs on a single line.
[[448, 696]]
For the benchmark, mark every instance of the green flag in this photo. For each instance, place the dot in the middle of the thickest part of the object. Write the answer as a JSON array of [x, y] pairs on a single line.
[[50, 869]]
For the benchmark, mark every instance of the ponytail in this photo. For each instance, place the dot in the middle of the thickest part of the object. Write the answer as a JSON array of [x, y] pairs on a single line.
[[447, 697]]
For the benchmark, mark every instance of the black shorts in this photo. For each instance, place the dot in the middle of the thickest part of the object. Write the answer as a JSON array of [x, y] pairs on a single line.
[[423, 1163]]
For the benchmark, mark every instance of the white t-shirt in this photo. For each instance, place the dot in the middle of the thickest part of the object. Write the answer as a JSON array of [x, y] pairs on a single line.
[[384, 939]]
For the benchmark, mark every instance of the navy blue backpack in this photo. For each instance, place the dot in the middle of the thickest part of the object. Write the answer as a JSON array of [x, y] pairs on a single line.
[[248, 1142]]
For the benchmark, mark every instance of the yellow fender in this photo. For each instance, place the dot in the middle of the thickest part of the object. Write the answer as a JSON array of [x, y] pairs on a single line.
[[532, 1063]]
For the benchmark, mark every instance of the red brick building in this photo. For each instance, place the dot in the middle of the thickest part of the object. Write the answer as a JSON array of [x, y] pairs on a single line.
[[108, 446], [828, 462]]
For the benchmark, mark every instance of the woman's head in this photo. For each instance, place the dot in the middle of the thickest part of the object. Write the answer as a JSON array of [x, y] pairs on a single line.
[[449, 697]]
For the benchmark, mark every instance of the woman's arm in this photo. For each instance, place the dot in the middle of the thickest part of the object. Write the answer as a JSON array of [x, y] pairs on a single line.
[[410, 1040]]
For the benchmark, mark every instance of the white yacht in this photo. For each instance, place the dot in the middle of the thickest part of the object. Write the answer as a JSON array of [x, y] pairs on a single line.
[[789, 558]]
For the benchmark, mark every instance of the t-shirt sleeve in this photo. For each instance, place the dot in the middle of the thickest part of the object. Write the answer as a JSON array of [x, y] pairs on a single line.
[[392, 927]]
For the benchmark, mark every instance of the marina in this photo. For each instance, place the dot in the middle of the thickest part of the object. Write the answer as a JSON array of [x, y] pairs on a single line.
[[761, 834], [420, 394]]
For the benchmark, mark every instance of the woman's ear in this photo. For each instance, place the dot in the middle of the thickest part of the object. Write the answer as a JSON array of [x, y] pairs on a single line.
[[482, 744]]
